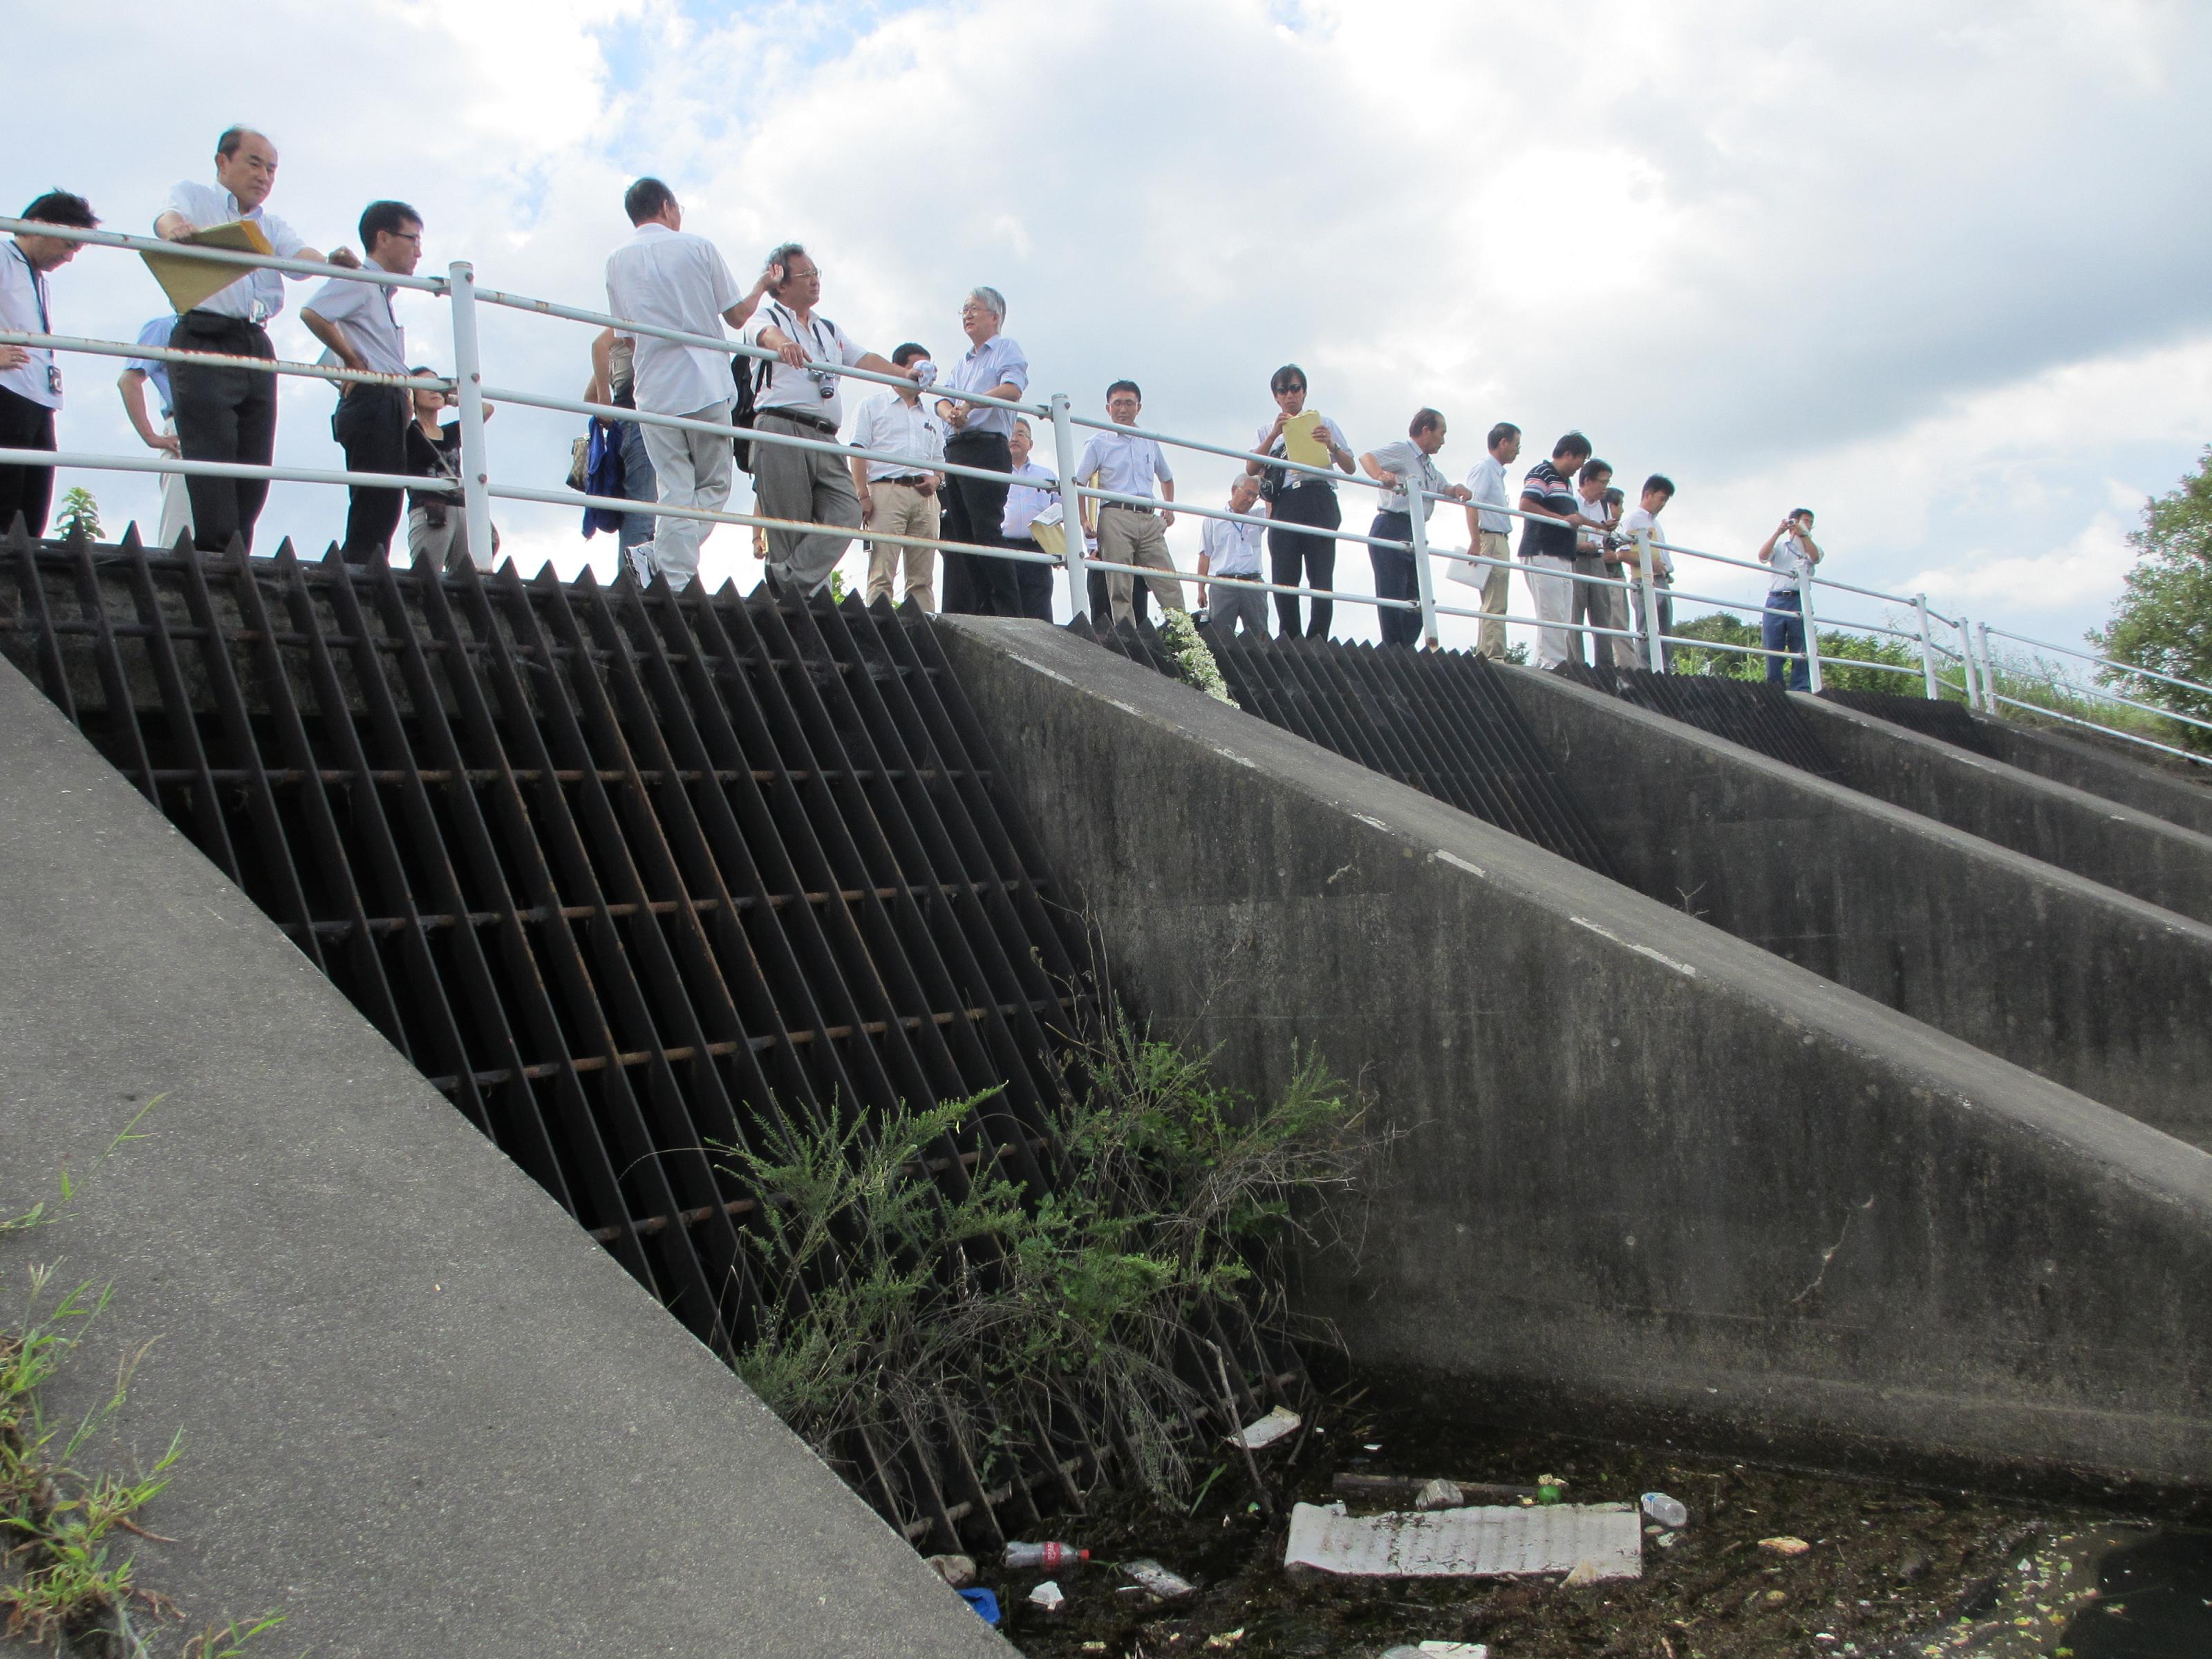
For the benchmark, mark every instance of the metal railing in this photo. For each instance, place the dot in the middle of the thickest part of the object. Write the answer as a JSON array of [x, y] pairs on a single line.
[[1081, 503]]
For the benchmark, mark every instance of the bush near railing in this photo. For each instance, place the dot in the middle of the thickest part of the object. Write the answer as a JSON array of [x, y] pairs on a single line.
[[2043, 684], [1837, 652]]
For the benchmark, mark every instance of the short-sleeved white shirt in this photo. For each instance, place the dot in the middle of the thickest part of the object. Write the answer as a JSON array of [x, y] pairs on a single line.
[[1025, 501], [23, 308], [1123, 463], [259, 295], [363, 310], [672, 279], [796, 389], [1663, 562], [1486, 482], [888, 423], [1406, 458], [1789, 558], [1231, 548]]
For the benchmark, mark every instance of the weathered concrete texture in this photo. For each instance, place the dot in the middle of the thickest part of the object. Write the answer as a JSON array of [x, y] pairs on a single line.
[[1645, 1164], [2098, 991], [2118, 847], [2085, 765], [423, 1413]]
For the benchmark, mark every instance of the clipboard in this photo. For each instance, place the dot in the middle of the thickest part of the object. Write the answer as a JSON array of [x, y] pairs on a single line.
[[187, 280], [1303, 441]]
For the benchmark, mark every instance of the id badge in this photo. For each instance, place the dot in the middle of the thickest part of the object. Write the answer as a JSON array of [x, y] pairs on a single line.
[[54, 379]]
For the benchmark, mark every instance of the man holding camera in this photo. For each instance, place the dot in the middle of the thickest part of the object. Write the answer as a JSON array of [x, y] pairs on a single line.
[[900, 497], [1792, 552]]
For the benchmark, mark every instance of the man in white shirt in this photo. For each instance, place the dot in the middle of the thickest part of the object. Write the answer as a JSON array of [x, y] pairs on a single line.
[[1793, 553], [1131, 532], [1489, 533], [30, 383], [1025, 501], [1233, 550], [226, 414], [137, 375], [1594, 605], [1407, 464], [983, 436], [354, 322], [811, 486], [1644, 522], [900, 497], [666, 277]]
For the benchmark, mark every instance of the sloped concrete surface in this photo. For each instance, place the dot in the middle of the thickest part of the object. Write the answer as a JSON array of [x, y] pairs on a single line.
[[2183, 798], [423, 1413], [1650, 1172]]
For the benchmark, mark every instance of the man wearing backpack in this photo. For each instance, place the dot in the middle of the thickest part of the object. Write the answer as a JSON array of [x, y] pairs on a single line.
[[669, 278]]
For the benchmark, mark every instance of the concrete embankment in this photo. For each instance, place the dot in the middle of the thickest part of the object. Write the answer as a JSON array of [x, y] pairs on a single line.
[[2181, 799], [2116, 846], [422, 1412], [2094, 989], [1648, 1169]]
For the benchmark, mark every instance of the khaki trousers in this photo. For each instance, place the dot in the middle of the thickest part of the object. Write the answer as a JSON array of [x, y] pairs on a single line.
[[902, 510], [1497, 580], [1126, 537]]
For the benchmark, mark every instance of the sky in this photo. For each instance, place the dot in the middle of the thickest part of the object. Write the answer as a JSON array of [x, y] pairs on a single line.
[[1937, 271]]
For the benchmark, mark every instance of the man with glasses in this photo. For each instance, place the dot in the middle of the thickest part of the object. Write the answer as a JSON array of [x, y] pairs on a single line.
[[982, 437], [800, 398], [226, 413], [30, 384], [354, 320]]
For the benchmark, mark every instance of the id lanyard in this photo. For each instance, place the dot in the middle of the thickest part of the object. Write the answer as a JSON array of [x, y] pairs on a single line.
[[46, 321]]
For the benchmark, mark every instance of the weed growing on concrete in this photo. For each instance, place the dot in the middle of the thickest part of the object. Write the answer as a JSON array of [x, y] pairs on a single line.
[[1191, 657], [918, 1307]]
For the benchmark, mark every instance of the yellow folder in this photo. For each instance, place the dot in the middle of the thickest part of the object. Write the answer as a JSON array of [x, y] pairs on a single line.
[[1303, 441], [188, 281]]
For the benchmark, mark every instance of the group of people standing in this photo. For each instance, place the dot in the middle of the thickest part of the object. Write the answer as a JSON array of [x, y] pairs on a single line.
[[945, 463]]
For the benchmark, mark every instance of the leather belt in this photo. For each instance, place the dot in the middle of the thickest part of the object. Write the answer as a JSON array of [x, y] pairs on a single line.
[[793, 415], [907, 478], [1124, 506]]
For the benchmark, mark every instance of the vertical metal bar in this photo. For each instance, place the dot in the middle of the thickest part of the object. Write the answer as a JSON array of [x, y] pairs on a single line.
[[127, 748], [1074, 555], [1967, 667], [1812, 630], [1927, 646], [1654, 645], [50, 667], [1989, 703], [468, 379], [1417, 533]]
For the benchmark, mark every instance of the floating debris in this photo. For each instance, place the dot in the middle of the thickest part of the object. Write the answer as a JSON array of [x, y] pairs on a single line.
[[1268, 1429], [1471, 1543]]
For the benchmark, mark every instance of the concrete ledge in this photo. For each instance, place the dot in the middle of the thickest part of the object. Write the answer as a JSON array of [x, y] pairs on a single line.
[[1646, 1163], [2084, 765], [423, 1413], [2098, 991]]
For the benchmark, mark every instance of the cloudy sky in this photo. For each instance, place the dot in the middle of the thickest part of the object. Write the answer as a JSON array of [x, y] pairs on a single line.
[[1938, 271]]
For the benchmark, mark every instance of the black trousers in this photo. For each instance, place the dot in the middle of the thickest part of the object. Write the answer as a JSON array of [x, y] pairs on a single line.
[[1033, 587], [28, 490], [974, 511], [371, 427], [1394, 579], [1288, 549], [1102, 603], [223, 414]]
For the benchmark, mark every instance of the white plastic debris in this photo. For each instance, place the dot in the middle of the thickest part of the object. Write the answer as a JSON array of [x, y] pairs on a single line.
[[1440, 1494], [1157, 1579], [957, 1571], [1470, 1543], [1048, 1596], [1667, 1511], [1268, 1429], [1452, 1650]]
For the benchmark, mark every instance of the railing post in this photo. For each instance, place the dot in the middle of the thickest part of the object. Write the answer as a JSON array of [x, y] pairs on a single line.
[[468, 380], [1927, 647], [1417, 534], [1073, 555], [1990, 704], [1812, 630], [1966, 661], [1653, 633]]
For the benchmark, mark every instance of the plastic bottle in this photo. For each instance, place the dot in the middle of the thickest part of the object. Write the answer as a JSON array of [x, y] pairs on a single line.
[[1050, 1557], [1667, 1511]]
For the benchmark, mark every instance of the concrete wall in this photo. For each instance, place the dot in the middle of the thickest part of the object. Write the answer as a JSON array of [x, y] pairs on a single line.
[[423, 1412], [2098, 991], [2084, 764], [1647, 1167], [2115, 846]]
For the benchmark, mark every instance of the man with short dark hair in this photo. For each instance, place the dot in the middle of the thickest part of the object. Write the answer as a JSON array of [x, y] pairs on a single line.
[[1792, 552], [1595, 560], [900, 497], [1644, 522], [224, 413], [666, 277], [30, 383], [1547, 544], [1405, 466], [1489, 536], [981, 437], [354, 320], [1131, 532], [1229, 549], [800, 400]]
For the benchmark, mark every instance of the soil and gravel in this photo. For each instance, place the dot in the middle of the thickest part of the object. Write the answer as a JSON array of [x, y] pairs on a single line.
[[1892, 1572]]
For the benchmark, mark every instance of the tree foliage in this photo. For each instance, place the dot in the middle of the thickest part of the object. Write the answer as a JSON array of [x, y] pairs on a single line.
[[1837, 652], [80, 515], [2163, 620]]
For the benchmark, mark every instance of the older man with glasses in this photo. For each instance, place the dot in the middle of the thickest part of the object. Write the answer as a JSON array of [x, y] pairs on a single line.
[[981, 434]]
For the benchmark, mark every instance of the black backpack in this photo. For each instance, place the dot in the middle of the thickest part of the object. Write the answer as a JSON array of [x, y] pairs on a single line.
[[751, 374]]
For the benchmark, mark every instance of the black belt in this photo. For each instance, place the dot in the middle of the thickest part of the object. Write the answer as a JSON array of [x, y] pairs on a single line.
[[1126, 507], [219, 319], [907, 478], [793, 415]]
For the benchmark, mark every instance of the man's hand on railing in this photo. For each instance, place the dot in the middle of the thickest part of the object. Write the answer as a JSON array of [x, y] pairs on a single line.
[[345, 259]]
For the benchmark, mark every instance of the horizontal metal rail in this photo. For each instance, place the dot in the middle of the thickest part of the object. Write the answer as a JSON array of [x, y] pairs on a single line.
[[226, 470], [362, 273], [222, 360]]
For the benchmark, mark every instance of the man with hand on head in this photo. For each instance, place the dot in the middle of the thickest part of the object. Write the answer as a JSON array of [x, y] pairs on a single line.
[[665, 276], [30, 383], [1233, 550], [137, 375], [223, 413], [1131, 532], [802, 401], [1405, 465], [900, 498], [982, 437], [354, 322], [1489, 533], [1793, 553]]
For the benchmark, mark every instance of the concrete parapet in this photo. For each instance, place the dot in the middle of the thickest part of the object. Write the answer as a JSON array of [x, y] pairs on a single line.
[[2083, 765], [1647, 1166], [2117, 846], [2096, 990], [423, 1413]]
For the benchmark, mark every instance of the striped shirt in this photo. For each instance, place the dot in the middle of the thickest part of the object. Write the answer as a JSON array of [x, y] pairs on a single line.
[[1547, 489]]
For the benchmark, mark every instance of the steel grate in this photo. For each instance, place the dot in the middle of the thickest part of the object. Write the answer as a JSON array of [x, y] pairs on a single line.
[[1752, 713], [616, 869], [1931, 717], [1439, 720]]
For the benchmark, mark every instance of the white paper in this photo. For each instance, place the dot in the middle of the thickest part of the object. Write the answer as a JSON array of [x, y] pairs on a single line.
[[1483, 1542], [1267, 1430]]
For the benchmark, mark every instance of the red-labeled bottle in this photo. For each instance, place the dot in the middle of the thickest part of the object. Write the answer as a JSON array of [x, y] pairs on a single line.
[[1050, 1557]]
